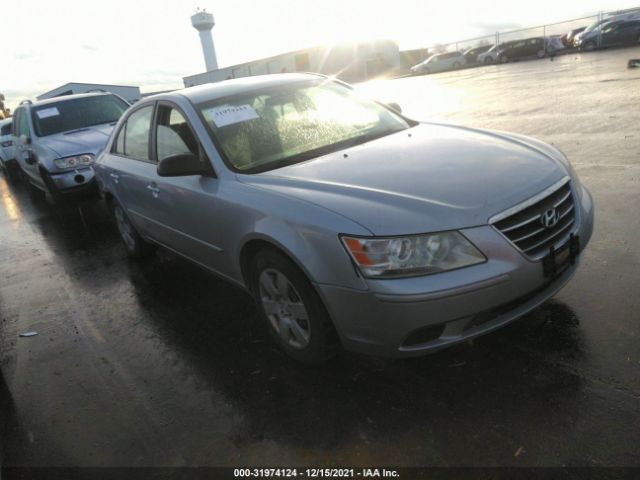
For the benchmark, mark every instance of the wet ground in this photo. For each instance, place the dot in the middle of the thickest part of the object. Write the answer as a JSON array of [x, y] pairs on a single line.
[[159, 363]]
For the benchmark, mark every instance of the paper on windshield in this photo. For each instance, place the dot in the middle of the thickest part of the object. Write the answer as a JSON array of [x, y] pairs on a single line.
[[47, 112], [230, 114]]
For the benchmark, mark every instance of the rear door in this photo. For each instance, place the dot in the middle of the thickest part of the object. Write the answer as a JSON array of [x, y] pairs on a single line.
[[131, 168]]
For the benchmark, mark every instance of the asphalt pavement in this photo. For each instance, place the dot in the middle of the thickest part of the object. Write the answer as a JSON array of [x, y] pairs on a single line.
[[158, 363]]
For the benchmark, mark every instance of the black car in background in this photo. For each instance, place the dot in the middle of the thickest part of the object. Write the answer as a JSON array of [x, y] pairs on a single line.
[[620, 33], [529, 47], [472, 54]]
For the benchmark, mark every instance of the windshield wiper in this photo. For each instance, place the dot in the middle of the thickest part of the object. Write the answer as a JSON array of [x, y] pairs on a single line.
[[368, 137], [83, 129]]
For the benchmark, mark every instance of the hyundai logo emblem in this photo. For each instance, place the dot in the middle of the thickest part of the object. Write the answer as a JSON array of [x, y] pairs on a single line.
[[550, 218]]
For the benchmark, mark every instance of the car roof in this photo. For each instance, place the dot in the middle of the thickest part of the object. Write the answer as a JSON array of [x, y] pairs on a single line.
[[64, 98], [225, 88]]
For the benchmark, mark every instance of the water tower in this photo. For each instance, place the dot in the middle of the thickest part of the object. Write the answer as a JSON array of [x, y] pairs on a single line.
[[203, 22]]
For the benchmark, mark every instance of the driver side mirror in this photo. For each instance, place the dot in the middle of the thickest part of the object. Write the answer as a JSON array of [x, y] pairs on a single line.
[[25, 139], [395, 106], [183, 164]]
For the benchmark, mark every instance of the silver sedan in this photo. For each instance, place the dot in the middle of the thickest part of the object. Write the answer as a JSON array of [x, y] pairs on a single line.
[[351, 225]]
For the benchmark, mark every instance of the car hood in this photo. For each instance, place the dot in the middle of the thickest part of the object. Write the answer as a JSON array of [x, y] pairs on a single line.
[[90, 140], [428, 178]]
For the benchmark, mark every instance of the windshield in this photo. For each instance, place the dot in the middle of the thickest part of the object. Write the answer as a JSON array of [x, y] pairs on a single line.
[[266, 129], [67, 115]]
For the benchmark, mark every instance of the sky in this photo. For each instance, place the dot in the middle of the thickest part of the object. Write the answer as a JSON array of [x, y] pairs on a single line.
[[151, 44]]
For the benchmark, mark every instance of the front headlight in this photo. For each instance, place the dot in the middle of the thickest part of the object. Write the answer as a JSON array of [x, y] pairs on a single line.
[[73, 162], [412, 255]]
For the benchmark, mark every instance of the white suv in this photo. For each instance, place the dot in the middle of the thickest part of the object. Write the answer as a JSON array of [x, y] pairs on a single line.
[[7, 157], [440, 63], [56, 140]]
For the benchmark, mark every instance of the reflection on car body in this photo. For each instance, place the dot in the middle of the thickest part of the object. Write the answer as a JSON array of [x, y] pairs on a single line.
[[350, 224]]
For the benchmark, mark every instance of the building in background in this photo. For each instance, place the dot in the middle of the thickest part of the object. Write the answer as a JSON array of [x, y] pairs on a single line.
[[353, 62], [129, 93]]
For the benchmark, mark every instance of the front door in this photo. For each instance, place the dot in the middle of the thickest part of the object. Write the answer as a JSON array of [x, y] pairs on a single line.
[[181, 213]]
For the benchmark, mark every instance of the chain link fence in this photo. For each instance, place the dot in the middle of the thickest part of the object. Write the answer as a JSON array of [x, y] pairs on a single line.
[[412, 57]]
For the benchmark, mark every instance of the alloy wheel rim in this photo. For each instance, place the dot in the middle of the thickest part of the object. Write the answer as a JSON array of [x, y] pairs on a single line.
[[125, 229], [283, 306]]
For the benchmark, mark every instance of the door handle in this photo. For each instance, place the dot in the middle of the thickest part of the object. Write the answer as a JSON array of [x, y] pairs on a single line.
[[154, 189], [115, 177]]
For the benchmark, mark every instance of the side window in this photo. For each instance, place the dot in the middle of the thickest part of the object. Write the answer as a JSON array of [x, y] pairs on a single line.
[[174, 135], [133, 138]]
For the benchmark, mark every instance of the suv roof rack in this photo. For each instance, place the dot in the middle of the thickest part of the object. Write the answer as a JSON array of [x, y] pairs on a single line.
[[26, 102]]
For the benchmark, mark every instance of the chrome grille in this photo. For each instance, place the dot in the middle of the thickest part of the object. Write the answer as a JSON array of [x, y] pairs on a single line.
[[523, 224]]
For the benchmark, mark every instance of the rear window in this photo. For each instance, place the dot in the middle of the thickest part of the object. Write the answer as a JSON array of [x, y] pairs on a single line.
[[67, 115]]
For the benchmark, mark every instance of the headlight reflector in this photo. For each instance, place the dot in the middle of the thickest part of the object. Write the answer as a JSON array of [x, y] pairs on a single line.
[[412, 255], [75, 161]]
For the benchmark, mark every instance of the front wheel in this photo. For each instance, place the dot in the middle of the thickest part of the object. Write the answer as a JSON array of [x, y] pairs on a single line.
[[134, 244], [488, 60], [540, 54], [590, 46], [291, 309]]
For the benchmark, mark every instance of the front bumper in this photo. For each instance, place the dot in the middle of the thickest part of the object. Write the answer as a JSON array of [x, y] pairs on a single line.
[[414, 316], [73, 181]]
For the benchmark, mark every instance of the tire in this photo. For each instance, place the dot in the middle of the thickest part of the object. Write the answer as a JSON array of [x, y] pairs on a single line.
[[134, 244], [590, 46], [52, 195], [35, 193], [291, 310], [488, 60], [540, 53], [456, 65]]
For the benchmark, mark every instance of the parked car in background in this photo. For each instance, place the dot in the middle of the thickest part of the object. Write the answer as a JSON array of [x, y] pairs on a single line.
[[579, 39], [56, 140], [568, 38], [529, 47], [7, 157], [440, 62], [471, 55], [283, 185], [491, 55], [614, 33]]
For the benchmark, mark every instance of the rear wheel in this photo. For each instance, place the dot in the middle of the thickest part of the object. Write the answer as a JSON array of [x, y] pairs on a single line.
[[34, 192], [134, 244], [291, 309]]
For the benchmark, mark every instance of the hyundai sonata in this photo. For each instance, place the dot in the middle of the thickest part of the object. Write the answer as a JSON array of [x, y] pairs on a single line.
[[350, 224]]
